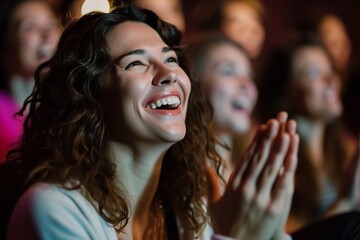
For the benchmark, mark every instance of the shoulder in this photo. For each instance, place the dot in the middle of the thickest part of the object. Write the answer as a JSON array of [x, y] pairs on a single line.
[[7, 103], [45, 198], [51, 212]]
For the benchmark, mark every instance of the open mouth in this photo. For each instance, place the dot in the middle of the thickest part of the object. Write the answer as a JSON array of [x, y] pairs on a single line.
[[166, 103], [239, 105], [44, 52]]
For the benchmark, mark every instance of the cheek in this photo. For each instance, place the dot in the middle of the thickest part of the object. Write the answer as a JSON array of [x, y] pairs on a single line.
[[28, 42], [218, 94], [222, 85], [253, 93], [132, 85], [27, 50], [185, 85], [314, 91], [311, 100]]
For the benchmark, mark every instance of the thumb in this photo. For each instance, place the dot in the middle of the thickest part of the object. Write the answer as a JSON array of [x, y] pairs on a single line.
[[213, 185]]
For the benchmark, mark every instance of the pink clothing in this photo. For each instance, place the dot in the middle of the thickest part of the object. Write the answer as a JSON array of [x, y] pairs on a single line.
[[10, 126]]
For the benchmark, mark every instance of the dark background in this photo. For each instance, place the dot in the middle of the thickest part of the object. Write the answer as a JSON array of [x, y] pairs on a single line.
[[282, 17]]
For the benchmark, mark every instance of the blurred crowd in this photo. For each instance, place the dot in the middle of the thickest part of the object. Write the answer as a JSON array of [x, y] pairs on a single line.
[[313, 75]]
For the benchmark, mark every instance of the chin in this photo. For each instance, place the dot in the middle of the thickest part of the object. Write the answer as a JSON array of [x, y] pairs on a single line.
[[173, 135], [241, 127], [330, 117]]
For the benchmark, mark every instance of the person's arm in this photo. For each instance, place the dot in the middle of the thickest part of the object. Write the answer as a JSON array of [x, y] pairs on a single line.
[[259, 192]]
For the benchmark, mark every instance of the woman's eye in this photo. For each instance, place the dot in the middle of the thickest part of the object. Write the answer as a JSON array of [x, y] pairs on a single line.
[[28, 27], [172, 60], [313, 74], [134, 64], [227, 71]]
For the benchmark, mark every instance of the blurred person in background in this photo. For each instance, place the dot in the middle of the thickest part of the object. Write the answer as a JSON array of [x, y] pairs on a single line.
[[301, 79], [333, 33], [169, 10], [224, 71], [241, 20], [30, 32]]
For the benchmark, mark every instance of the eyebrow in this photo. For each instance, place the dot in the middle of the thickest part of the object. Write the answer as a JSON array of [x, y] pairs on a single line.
[[141, 52], [20, 21]]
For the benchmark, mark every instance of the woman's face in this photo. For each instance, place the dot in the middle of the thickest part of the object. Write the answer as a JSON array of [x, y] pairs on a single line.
[[243, 24], [334, 36], [228, 81], [33, 35], [146, 92], [316, 86]]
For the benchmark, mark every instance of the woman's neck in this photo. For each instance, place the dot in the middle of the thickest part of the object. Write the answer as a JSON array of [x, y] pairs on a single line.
[[225, 154], [20, 88], [312, 134], [139, 172]]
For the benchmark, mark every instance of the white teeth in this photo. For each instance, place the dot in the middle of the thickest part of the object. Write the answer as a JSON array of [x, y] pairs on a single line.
[[44, 51], [172, 101], [158, 103], [243, 104]]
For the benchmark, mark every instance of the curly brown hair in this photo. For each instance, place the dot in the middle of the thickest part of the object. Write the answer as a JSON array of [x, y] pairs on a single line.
[[65, 137]]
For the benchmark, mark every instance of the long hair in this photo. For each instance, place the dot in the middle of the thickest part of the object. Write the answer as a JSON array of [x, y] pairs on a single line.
[[7, 10], [198, 48], [275, 84], [65, 137]]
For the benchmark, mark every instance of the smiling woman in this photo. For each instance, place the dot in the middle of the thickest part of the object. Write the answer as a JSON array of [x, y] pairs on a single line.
[[146, 77], [300, 78], [226, 76], [30, 31], [115, 144]]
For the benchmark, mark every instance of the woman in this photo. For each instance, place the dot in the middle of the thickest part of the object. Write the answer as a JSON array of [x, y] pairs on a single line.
[[115, 146], [335, 37], [301, 79], [241, 20], [30, 32], [225, 74]]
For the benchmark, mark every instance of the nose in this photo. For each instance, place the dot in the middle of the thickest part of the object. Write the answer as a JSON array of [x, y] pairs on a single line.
[[164, 76], [245, 83], [49, 33]]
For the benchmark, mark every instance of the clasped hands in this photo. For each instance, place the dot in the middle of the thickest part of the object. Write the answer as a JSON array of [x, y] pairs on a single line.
[[256, 201]]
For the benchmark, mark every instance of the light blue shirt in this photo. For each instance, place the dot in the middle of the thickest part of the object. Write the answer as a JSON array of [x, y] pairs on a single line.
[[47, 211]]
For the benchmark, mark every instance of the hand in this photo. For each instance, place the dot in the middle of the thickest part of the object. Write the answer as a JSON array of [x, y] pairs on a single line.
[[252, 206], [288, 176]]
